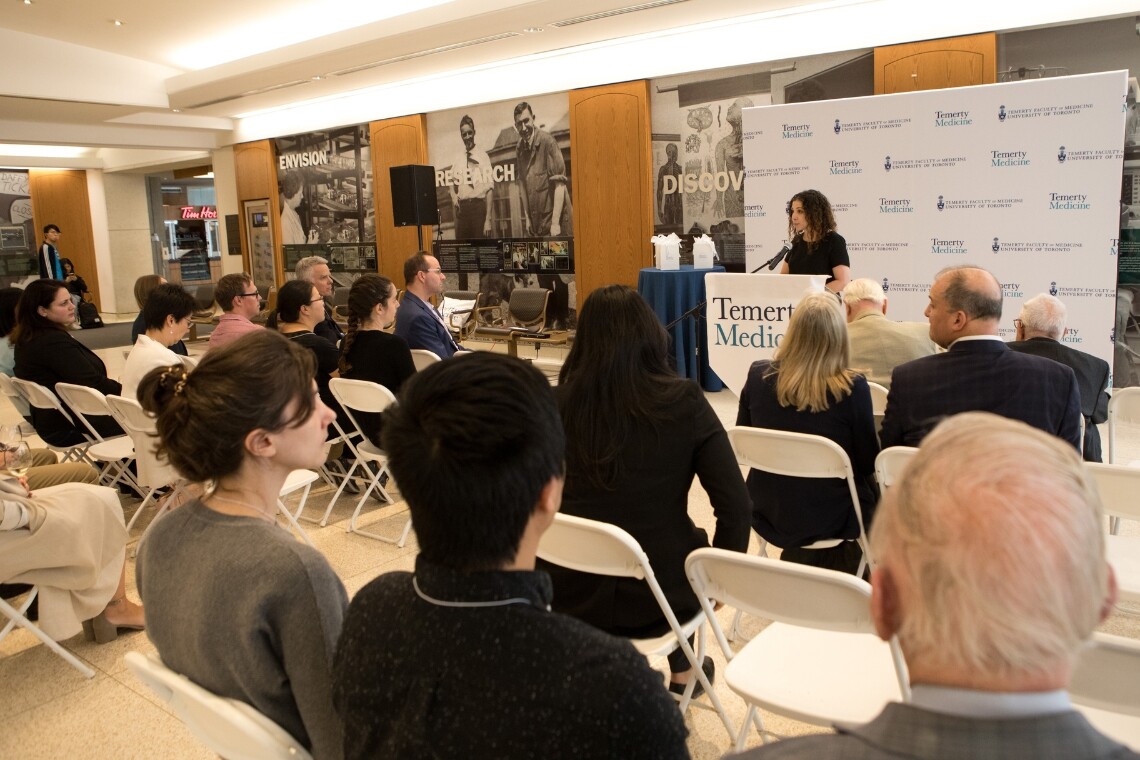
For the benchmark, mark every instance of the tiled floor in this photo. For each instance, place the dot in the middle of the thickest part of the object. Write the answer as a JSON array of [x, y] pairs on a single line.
[[51, 711]]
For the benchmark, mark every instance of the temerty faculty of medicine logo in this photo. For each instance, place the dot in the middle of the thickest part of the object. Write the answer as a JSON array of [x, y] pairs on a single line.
[[1001, 112], [795, 131]]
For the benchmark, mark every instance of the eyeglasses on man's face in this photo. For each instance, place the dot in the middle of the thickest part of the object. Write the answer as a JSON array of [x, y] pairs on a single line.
[[249, 295]]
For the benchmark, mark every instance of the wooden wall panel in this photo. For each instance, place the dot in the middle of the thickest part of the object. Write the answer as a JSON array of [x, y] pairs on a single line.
[[613, 184], [256, 177], [60, 197], [936, 64], [395, 142]]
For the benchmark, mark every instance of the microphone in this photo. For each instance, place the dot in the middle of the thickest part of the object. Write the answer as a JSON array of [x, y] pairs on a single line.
[[775, 260]]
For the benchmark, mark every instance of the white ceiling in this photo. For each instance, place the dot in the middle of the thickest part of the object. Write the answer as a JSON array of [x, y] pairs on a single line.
[[178, 79]]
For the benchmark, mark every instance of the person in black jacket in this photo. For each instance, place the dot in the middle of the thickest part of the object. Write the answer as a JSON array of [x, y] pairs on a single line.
[[1040, 327], [636, 434], [47, 354]]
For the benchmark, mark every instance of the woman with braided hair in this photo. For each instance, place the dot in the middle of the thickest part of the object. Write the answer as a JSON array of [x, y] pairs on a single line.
[[369, 353], [239, 606]]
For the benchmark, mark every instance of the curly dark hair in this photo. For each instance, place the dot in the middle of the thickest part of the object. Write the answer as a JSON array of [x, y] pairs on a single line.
[[817, 209]]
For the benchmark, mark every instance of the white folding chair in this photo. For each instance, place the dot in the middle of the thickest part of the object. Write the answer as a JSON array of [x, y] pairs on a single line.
[[1103, 686], [423, 358], [42, 398], [1123, 407], [800, 455], [600, 548], [371, 398], [229, 727], [17, 398], [115, 454], [17, 616], [1118, 486], [151, 473], [298, 480], [891, 462], [878, 403], [820, 662]]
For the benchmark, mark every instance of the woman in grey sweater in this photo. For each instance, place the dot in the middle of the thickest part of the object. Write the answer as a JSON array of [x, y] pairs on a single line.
[[233, 602]]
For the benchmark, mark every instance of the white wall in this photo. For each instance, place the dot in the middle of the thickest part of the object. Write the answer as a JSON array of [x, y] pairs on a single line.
[[128, 232]]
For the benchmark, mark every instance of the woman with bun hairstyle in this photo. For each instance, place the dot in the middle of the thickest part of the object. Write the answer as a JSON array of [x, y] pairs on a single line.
[[234, 602]]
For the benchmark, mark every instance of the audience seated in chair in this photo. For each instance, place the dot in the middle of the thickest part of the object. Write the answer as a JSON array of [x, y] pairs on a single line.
[[808, 388], [1011, 517], [70, 542], [234, 602], [369, 353], [978, 372], [166, 315], [46, 353], [636, 435], [419, 324], [143, 286], [240, 302], [463, 657]]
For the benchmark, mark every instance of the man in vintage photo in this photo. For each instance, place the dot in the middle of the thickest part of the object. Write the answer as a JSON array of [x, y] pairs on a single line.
[[541, 176], [471, 186]]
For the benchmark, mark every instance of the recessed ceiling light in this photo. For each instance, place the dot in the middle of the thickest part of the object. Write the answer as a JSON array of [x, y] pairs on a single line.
[[533, 29], [318, 78], [117, 22], [27, 2], [176, 110]]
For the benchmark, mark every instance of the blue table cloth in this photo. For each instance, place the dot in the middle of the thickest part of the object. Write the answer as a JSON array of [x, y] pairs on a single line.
[[671, 293]]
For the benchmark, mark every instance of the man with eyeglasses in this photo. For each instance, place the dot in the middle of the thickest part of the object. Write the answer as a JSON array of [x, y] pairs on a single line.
[[417, 322], [240, 302]]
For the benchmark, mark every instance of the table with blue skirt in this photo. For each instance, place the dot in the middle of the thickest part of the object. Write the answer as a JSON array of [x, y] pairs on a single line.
[[671, 293]]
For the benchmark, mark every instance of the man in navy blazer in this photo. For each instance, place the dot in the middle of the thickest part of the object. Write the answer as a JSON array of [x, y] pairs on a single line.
[[1012, 516], [978, 372], [417, 322], [1040, 327]]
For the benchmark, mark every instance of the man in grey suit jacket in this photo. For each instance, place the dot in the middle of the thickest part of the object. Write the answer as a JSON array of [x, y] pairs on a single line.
[[878, 344], [989, 659], [978, 372], [1040, 327]]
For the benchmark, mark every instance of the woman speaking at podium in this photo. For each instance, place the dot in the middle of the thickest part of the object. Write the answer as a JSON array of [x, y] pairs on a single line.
[[816, 247]]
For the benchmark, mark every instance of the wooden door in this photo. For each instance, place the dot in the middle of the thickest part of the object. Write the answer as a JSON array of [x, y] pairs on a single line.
[[936, 64]]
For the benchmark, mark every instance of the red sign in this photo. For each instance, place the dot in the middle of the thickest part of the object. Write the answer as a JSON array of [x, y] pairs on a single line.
[[199, 212]]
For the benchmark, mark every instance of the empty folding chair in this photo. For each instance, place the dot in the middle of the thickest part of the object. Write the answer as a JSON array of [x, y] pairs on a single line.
[[1103, 686], [151, 473], [821, 661], [423, 358], [890, 462], [600, 548], [116, 453], [372, 398], [229, 727], [1118, 485], [1123, 407]]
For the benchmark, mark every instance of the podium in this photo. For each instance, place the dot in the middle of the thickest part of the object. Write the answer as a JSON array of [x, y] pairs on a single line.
[[746, 318], [671, 293]]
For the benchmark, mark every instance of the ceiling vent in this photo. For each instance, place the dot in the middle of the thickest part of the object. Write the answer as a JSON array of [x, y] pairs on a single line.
[[424, 53], [616, 12]]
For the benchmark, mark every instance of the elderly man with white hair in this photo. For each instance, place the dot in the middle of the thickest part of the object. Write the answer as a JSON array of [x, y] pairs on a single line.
[[990, 630], [878, 344], [1040, 327]]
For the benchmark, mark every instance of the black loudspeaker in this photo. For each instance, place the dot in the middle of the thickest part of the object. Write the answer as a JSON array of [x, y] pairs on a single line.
[[413, 195]]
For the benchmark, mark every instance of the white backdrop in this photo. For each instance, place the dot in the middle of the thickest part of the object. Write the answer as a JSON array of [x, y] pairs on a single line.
[[1022, 179]]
